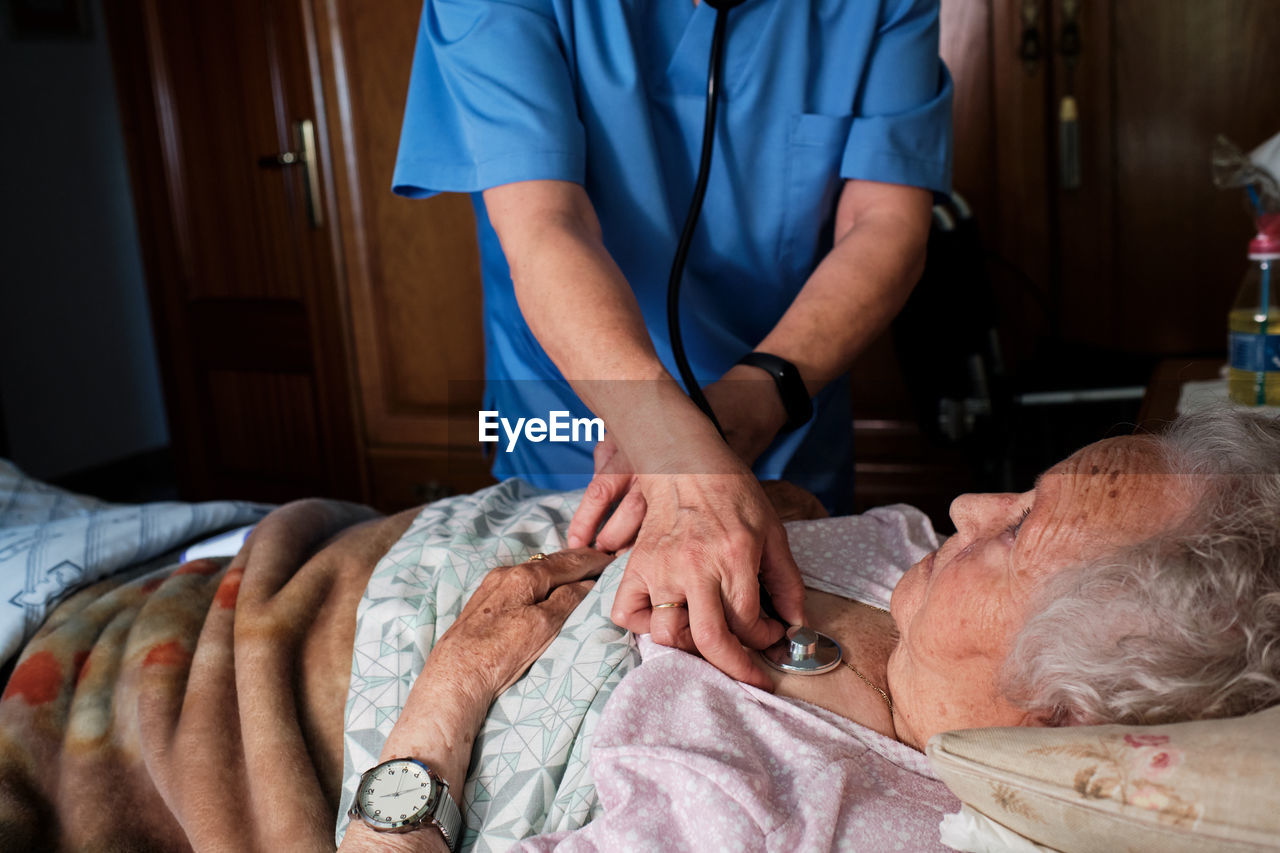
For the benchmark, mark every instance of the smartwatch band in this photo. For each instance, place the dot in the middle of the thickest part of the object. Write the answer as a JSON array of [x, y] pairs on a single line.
[[795, 397]]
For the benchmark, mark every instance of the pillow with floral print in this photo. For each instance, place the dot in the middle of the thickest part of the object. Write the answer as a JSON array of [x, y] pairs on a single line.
[[1198, 786]]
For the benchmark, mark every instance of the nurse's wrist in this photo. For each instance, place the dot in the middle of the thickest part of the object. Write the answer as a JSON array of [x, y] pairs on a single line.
[[747, 404]]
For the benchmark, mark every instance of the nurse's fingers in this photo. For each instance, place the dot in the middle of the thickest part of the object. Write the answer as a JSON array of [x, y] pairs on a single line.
[[743, 613], [631, 604], [669, 624], [714, 641], [781, 576], [609, 483], [621, 528], [601, 492]]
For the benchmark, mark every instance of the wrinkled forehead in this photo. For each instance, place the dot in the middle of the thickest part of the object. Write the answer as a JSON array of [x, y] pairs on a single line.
[[1111, 494]]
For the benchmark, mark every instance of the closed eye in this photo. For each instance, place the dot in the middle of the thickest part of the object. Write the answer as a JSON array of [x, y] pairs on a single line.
[[1013, 529]]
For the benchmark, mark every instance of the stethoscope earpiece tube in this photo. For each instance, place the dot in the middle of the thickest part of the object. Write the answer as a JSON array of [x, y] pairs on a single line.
[[695, 208]]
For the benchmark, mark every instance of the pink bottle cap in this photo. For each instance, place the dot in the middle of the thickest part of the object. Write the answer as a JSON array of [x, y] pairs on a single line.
[[1267, 241]]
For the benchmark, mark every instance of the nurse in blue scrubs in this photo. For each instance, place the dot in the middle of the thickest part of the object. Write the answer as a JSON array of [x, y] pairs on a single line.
[[576, 126]]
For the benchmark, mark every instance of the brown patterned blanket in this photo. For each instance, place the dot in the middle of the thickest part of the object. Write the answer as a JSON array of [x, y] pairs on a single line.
[[194, 707]]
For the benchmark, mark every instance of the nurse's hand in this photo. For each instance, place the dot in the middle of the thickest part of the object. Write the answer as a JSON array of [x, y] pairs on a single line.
[[750, 412], [614, 482], [707, 542]]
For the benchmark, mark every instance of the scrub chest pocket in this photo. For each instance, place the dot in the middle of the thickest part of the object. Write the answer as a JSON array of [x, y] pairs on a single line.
[[815, 147]]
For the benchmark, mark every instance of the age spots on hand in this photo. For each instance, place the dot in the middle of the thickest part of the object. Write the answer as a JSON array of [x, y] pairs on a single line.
[[38, 679]]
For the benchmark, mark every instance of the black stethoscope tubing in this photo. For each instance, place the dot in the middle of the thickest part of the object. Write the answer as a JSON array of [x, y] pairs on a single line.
[[714, 82]]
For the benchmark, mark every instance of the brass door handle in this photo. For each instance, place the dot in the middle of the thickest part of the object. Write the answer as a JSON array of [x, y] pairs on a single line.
[[305, 157]]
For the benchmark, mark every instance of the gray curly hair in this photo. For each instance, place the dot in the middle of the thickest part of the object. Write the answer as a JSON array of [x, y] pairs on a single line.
[[1183, 626]]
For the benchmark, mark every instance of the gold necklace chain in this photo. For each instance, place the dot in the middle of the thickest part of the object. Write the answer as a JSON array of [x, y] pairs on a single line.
[[883, 695]]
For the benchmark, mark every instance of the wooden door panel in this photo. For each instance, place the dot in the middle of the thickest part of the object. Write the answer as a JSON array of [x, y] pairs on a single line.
[[244, 298], [1017, 230], [967, 50], [412, 267], [403, 478], [1152, 252], [1185, 72], [228, 100], [274, 433]]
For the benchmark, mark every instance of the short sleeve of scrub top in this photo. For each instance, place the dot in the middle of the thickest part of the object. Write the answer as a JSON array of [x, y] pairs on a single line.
[[490, 100], [904, 104]]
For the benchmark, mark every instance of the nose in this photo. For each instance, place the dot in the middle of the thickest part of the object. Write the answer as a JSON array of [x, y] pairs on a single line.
[[975, 511]]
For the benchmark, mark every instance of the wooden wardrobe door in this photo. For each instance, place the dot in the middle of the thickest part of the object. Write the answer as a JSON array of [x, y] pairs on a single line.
[[239, 252], [412, 268], [1151, 252]]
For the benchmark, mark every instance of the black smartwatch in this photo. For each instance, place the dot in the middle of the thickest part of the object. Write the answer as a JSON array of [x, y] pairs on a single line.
[[795, 398]]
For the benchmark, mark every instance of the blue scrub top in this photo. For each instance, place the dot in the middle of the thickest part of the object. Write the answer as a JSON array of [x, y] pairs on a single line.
[[610, 94]]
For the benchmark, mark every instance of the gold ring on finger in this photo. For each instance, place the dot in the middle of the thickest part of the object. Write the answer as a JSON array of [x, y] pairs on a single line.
[[538, 556], [670, 604]]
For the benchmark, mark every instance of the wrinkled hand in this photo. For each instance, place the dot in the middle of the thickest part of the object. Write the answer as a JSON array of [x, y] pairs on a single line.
[[747, 406], [510, 620], [507, 623], [709, 540]]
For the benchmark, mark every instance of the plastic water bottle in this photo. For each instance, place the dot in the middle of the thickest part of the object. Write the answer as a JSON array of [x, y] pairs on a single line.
[[1253, 326]]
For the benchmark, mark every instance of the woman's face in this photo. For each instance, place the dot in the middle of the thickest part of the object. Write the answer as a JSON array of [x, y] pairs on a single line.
[[958, 609]]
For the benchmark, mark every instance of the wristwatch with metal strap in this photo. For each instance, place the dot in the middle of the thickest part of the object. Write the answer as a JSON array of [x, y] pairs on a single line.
[[404, 794]]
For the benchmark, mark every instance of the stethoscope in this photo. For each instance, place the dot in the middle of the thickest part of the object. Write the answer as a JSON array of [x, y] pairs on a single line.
[[802, 650]]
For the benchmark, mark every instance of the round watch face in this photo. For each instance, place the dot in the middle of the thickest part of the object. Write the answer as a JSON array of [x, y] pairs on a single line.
[[397, 794]]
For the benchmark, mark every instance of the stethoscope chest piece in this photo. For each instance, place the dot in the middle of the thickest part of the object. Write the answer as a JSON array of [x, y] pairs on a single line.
[[804, 651]]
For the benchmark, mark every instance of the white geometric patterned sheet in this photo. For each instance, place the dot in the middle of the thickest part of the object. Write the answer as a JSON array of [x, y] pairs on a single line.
[[53, 541], [529, 769]]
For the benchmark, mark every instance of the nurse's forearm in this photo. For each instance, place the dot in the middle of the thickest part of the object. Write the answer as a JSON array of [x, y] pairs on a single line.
[[583, 313], [881, 234], [571, 293]]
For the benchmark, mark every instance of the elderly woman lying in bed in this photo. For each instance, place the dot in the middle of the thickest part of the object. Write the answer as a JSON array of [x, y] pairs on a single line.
[[1139, 582]]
